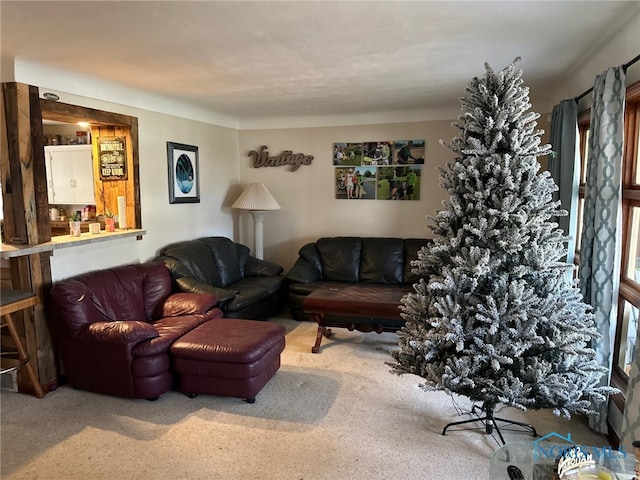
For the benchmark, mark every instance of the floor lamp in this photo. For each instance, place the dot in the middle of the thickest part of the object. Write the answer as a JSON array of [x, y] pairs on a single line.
[[257, 200]]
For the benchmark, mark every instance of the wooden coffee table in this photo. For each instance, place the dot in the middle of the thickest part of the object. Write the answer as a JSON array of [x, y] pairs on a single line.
[[354, 307]]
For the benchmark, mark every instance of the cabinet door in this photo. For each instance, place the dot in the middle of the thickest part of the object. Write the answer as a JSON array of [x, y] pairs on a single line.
[[47, 163], [82, 167], [61, 179], [70, 175]]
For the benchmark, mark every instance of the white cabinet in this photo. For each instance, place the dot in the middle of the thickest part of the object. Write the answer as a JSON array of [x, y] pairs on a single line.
[[69, 174]]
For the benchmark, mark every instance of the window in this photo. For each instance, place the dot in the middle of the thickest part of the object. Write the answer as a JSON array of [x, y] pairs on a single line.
[[629, 295]]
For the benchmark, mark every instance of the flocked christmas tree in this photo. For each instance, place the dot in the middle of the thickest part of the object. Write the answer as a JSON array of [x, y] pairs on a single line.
[[499, 318]]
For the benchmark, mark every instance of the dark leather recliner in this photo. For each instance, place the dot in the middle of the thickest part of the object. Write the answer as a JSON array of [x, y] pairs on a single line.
[[114, 328], [246, 287], [353, 260]]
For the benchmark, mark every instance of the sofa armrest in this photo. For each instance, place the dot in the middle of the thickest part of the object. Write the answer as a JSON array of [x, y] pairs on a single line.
[[304, 272], [117, 332], [261, 268], [178, 304], [191, 285]]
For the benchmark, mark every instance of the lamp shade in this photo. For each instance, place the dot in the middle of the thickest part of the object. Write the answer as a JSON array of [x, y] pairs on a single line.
[[256, 197]]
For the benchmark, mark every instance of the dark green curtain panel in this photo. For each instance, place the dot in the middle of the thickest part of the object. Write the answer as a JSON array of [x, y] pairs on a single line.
[[564, 166]]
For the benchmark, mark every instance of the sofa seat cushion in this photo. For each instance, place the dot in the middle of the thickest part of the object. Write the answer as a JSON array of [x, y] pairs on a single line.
[[169, 330], [251, 290]]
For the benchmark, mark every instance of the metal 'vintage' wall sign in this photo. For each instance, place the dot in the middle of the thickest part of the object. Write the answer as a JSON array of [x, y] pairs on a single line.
[[261, 158]]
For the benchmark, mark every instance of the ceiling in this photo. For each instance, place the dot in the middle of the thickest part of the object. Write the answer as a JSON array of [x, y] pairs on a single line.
[[304, 58]]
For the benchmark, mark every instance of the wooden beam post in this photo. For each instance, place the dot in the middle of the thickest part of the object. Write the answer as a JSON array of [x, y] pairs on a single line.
[[26, 219]]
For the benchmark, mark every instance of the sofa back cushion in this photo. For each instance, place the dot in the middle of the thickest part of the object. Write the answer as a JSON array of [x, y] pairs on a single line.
[[130, 292], [382, 260], [340, 257], [229, 259], [310, 253], [194, 259]]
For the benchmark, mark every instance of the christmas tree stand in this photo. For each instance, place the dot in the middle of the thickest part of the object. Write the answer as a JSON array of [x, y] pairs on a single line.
[[490, 421]]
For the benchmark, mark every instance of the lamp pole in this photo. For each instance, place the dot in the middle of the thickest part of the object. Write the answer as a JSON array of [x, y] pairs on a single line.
[[258, 221]]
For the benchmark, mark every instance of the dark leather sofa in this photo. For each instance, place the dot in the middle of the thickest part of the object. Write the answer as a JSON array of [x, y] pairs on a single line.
[[246, 287], [352, 260], [114, 328]]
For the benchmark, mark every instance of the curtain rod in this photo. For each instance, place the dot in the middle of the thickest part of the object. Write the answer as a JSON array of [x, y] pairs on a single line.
[[624, 68]]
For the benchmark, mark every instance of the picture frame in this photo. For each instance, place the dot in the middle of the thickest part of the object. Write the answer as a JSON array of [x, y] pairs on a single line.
[[112, 158], [378, 170], [184, 173]]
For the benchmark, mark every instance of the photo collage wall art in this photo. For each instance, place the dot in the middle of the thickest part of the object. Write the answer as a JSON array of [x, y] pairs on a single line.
[[388, 170]]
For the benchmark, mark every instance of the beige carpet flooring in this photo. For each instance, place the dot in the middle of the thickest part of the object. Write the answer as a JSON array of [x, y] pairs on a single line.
[[338, 414]]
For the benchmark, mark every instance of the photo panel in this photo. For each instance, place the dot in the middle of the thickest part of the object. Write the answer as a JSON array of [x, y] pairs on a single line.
[[377, 153], [408, 152], [355, 183], [400, 182], [347, 154]]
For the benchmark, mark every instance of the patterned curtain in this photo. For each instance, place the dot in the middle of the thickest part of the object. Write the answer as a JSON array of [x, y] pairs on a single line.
[[600, 243], [564, 166]]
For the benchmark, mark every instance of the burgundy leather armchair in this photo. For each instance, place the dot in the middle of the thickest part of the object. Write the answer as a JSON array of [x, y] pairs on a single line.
[[114, 328]]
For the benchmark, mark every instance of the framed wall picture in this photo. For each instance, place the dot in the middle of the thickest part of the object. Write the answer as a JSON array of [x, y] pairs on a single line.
[[184, 173], [380, 170], [399, 182], [112, 158], [356, 182]]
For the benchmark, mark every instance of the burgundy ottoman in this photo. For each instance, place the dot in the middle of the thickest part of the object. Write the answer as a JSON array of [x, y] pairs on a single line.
[[227, 356]]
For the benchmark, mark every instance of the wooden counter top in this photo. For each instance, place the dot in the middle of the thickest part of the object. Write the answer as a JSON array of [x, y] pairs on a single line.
[[67, 241]]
